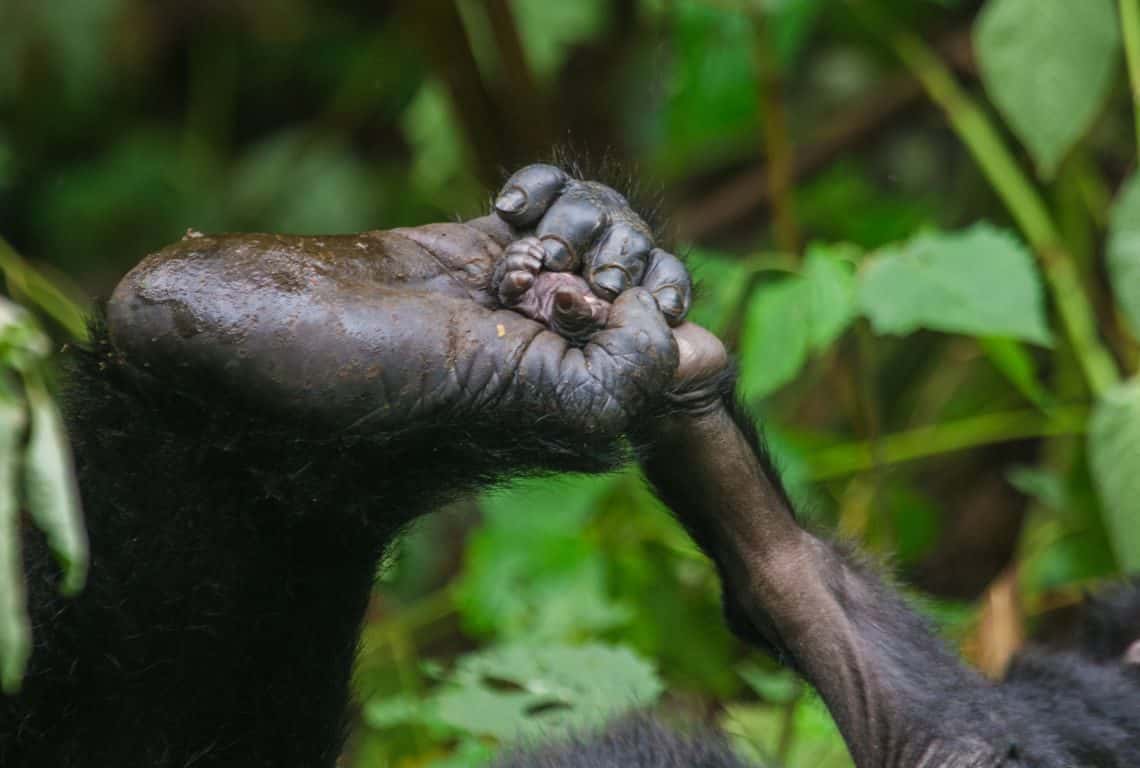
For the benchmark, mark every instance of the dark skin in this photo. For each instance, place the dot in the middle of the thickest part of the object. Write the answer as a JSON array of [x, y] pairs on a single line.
[[366, 331], [262, 415], [899, 697]]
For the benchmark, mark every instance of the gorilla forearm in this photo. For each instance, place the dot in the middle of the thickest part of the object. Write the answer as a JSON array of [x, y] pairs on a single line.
[[900, 698]]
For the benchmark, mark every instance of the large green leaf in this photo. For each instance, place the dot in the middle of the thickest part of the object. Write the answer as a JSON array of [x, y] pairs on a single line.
[[981, 281], [1048, 66], [530, 572], [1124, 252], [799, 314], [520, 691], [1114, 453]]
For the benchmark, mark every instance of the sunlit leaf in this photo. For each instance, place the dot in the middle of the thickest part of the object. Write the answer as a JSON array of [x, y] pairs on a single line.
[[519, 691], [775, 339], [1048, 66], [49, 486], [15, 635], [1124, 252], [1114, 453], [757, 730], [530, 572], [720, 282], [980, 281], [830, 284], [788, 318]]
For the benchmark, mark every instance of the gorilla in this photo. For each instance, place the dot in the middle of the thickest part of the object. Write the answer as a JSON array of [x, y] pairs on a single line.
[[257, 416]]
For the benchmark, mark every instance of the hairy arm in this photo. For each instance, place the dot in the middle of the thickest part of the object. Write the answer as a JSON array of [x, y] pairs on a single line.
[[899, 697]]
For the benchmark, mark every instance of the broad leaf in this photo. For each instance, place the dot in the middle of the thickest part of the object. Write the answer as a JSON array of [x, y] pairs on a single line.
[[1124, 253], [530, 572], [1048, 66], [774, 344], [521, 691], [830, 285], [788, 319], [981, 281], [1114, 453], [720, 282]]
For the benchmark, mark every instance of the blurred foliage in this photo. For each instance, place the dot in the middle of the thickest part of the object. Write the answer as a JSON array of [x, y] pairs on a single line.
[[916, 221]]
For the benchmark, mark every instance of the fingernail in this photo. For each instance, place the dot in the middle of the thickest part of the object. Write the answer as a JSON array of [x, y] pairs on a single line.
[[512, 201], [559, 257], [564, 300], [669, 300], [522, 281], [610, 280]]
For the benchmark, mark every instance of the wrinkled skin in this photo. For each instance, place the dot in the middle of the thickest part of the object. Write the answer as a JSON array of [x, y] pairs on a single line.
[[262, 415], [381, 329]]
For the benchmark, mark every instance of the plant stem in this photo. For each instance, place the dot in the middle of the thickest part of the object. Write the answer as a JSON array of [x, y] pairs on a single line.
[[1130, 24], [777, 143], [997, 162], [948, 437], [28, 285]]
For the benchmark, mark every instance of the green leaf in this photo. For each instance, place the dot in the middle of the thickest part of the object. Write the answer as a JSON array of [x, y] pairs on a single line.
[[981, 281], [720, 282], [774, 686], [775, 339], [1045, 486], [1015, 363], [520, 691], [530, 572], [803, 313], [830, 288], [15, 635], [1048, 66], [1114, 454], [49, 486], [1124, 252]]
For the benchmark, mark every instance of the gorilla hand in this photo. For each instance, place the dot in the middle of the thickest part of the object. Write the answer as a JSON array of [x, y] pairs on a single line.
[[383, 332]]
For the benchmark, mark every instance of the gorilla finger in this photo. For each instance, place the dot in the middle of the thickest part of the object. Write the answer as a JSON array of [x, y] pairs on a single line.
[[528, 193], [514, 285], [618, 263], [640, 353], [525, 254], [568, 230], [576, 315], [669, 282]]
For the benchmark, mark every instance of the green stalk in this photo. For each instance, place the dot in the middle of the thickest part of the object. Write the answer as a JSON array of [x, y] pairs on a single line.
[[32, 287], [949, 437], [1130, 24], [981, 137]]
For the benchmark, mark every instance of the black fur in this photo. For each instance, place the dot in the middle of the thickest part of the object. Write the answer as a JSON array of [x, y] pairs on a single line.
[[232, 558], [632, 742]]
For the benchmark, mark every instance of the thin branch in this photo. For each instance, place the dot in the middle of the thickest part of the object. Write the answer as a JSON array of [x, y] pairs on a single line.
[[948, 437], [777, 144], [1130, 24]]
